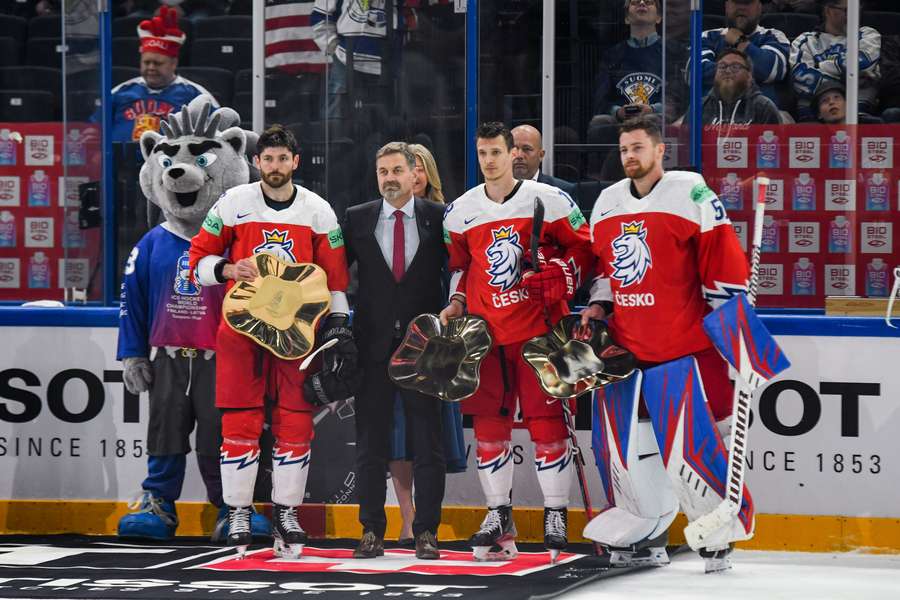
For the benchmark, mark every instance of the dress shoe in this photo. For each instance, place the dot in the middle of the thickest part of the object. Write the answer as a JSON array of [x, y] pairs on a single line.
[[369, 546], [426, 546]]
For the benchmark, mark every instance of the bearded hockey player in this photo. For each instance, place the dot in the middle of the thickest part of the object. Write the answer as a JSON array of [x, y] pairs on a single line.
[[292, 223], [667, 255], [487, 230]]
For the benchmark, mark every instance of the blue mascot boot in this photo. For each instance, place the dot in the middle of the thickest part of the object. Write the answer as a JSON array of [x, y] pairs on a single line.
[[260, 526], [155, 519]]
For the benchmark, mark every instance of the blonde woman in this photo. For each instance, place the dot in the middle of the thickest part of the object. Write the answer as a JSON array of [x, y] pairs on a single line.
[[428, 186]]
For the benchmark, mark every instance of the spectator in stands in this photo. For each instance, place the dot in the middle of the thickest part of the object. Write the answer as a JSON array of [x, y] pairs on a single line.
[[428, 180], [768, 49], [354, 30], [140, 103], [831, 104], [629, 82], [735, 99], [786, 6], [527, 161], [818, 57]]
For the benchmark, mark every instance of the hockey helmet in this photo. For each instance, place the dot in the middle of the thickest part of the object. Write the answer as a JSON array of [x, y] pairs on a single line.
[[441, 361], [572, 358], [279, 309]]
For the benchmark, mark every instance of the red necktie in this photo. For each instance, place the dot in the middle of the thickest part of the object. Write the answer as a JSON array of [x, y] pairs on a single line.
[[399, 262]]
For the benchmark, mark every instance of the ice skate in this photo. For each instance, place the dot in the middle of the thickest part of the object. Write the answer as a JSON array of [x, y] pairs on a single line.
[[239, 535], [717, 560], [154, 519], [259, 526], [556, 526], [289, 536], [497, 529], [649, 553]]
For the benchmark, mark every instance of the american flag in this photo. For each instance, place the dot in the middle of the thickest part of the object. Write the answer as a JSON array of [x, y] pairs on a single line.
[[289, 40]]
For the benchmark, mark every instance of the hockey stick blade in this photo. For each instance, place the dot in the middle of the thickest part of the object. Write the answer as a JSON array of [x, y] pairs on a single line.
[[309, 359]]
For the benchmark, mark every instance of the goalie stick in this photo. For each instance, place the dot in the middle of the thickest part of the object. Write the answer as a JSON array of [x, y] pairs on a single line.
[[697, 532]]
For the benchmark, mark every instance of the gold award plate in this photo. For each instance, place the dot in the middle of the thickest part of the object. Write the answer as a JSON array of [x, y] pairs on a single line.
[[280, 309]]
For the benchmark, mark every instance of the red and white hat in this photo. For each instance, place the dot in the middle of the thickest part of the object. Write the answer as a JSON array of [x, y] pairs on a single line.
[[161, 34]]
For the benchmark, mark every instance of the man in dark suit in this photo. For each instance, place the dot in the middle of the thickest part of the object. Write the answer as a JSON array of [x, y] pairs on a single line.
[[398, 244], [527, 163]]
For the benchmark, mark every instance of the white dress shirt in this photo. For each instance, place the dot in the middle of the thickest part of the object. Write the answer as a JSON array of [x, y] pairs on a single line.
[[384, 232]]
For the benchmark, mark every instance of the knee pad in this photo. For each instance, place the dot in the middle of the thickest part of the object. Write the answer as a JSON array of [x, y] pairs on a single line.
[[546, 429], [642, 503], [242, 425], [292, 426]]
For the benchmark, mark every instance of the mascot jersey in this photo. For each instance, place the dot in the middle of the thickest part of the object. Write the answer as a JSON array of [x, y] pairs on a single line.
[[487, 242], [664, 259], [305, 232], [159, 296], [138, 108]]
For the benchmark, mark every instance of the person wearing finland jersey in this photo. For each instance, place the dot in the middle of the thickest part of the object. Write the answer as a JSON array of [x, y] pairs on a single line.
[[487, 230], [666, 256]]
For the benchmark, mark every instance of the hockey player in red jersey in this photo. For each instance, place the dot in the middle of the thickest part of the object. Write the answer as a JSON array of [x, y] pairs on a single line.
[[666, 256], [281, 218], [487, 230]]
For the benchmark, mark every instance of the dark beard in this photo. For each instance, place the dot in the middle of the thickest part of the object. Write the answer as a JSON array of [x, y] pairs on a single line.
[[640, 173], [730, 92], [267, 178]]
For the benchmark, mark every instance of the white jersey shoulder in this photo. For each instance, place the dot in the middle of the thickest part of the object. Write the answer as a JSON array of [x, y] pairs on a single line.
[[459, 214], [557, 203], [323, 218]]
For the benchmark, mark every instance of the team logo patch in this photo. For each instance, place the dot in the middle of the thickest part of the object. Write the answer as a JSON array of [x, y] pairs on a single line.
[[505, 258], [278, 244], [701, 192], [213, 224], [576, 219], [184, 283], [632, 254], [336, 238], [639, 87]]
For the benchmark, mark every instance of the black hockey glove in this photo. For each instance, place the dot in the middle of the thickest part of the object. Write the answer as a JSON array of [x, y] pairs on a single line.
[[340, 377], [344, 354]]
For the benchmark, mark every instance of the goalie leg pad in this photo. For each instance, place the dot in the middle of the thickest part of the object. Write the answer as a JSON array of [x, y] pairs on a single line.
[[642, 504], [239, 455], [493, 456], [742, 339], [693, 453]]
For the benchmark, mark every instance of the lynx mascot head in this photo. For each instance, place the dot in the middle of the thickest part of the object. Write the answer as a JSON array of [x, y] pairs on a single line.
[[199, 154]]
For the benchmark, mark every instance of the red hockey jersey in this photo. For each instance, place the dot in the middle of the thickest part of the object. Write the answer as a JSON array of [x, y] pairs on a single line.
[[487, 242], [241, 224], [664, 259]]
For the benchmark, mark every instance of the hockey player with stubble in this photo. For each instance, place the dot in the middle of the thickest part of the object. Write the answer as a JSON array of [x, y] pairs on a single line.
[[667, 255], [487, 230], [281, 218]]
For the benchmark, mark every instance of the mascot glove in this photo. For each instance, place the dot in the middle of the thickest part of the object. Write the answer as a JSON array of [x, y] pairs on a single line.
[[138, 374], [553, 283]]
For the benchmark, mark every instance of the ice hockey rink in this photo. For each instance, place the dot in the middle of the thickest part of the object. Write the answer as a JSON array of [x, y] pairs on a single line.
[[758, 575]]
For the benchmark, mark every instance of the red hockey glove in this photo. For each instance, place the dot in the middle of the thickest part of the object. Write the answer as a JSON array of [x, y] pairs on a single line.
[[554, 282]]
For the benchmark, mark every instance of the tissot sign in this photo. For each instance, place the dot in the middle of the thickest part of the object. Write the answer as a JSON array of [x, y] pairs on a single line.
[[828, 424]]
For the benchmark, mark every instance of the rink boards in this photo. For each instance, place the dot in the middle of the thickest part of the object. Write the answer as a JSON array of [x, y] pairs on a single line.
[[822, 466]]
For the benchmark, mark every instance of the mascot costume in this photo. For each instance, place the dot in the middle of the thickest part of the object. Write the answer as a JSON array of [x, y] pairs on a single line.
[[168, 322]]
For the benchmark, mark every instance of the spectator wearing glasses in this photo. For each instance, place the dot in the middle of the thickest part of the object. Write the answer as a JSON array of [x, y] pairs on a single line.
[[819, 58], [735, 99], [768, 49]]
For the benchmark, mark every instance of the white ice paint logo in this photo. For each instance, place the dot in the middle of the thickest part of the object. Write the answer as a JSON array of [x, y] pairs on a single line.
[[632, 254], [804, 153], [504, 257], [732, 152], [877, 153]]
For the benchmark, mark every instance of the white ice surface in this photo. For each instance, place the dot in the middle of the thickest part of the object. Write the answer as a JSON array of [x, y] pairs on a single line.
[[758, 576]]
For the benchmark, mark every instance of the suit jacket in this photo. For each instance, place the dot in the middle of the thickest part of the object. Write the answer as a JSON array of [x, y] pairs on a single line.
[[382, 302], [570, 188]]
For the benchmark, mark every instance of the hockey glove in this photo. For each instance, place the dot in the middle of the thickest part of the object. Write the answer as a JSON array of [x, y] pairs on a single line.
[[553, 283], [340, 377], [138, 374], [344, 353]]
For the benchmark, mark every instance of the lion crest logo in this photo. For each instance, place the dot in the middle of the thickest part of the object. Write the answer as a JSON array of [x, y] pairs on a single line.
[[277, 243], [632, 254], [505, 258]]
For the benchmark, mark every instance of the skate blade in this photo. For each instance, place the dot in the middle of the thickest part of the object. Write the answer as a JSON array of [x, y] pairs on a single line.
[[717, 565], [554, 556], [508, 551], [289, 551], [658, 557], [241, 551]]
